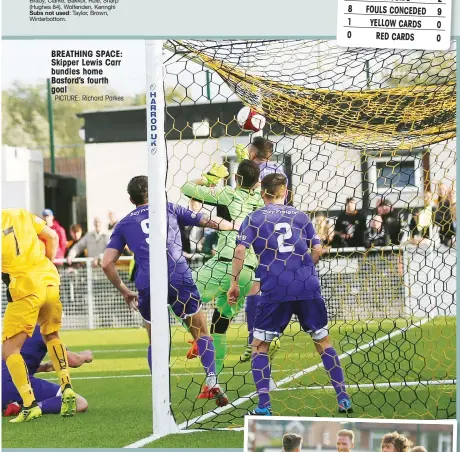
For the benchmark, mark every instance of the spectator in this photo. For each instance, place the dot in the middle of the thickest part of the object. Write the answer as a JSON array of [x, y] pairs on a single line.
[[323, 228], [93, 242], [419, 226], [112, 220], [443, 215], [112, 223], [208, 243], [52, 223], [391, 222], [349, 227], [376, 234], [76, 233], [429, 200], [418, 449], [185, 232]]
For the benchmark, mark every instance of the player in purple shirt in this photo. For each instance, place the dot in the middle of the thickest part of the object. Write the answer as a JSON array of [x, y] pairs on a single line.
[[282, 237], [260, 150], [48, 394], [183, 296]]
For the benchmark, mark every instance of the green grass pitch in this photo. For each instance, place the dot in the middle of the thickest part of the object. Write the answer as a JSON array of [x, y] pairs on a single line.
[[118, 388]]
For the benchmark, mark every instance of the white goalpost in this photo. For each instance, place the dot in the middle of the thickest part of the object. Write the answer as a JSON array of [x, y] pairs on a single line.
[[163, 420], [374, 294]]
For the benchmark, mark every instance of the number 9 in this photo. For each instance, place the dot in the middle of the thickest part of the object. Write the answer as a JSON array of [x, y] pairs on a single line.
[[145, 229]]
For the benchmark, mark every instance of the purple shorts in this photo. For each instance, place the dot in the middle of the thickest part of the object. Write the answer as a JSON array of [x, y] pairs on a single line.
[[183, 297], [272, 318], [42, 389]]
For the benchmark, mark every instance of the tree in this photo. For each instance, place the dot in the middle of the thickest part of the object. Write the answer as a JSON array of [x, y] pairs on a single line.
[[172, 96], [424, 68], [25, 116]]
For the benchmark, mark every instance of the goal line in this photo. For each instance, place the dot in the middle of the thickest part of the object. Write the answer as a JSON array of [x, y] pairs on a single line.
[[284, 381]]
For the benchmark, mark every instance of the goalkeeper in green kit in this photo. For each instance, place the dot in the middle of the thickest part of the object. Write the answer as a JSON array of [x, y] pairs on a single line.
[[214, 277]]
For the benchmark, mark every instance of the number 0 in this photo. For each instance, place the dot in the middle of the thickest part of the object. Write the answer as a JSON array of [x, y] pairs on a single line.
[[438, 38], [349, 34]]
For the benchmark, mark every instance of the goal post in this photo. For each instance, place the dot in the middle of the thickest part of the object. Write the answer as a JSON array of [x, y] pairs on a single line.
[[163, 420], [326, 115]]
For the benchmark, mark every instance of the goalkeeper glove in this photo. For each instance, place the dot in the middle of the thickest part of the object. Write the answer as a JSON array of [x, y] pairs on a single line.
[[215, 174], [241, 152]]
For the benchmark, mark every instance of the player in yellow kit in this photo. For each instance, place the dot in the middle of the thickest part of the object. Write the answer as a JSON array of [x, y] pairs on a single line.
[[33, 296]]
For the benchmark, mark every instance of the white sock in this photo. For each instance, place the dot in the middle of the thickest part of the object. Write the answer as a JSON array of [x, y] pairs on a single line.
[[211, 381]]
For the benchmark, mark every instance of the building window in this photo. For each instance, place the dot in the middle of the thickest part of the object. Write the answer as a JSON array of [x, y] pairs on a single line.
[[201, 129], [395, 174]]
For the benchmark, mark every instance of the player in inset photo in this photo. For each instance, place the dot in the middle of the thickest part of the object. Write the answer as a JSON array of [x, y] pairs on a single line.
[[345, 440], [292, 442], [395, 442]]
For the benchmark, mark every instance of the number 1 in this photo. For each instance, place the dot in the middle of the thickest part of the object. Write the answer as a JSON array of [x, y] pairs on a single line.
[[10, 230]]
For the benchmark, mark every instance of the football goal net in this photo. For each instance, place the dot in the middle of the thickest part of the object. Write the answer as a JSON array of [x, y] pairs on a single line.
[[367, 140]]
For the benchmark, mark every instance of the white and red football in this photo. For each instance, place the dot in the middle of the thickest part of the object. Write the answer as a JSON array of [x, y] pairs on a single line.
[[249, 120]]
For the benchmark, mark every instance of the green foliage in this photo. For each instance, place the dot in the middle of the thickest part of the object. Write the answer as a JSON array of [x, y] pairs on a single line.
[[434, 68], [25, 115]]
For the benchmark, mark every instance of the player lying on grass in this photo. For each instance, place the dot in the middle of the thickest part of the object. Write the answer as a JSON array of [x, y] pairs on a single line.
[[282, 237], [213, 278], [47, 394], [32, 282], [260, 151], [184, 298]]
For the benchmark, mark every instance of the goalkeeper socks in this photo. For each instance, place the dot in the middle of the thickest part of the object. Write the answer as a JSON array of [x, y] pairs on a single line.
[[334, 370], [149, 357], [20, 376], [251, 302], [220, 345], [261, 373], [58, 355], [207, 354], [51, 405]]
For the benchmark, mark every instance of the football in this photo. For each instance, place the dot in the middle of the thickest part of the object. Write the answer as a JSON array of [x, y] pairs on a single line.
[[249, 120]]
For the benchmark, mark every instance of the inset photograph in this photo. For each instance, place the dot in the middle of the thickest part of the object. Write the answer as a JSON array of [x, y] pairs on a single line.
[[293, 434]]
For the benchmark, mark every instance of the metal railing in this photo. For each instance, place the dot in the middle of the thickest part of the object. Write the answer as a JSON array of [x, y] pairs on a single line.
[[357, 283]]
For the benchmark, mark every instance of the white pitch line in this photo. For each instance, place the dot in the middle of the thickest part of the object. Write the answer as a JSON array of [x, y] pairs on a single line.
[[185, 374], [297, 375], [131, 350], [199, 430], [241, 400], [388, 384]]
